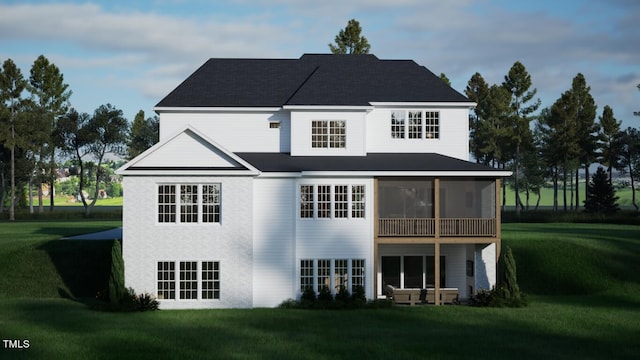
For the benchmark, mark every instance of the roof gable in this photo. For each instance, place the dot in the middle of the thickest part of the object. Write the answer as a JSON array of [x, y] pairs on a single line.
[[187, 152], [355, 80]]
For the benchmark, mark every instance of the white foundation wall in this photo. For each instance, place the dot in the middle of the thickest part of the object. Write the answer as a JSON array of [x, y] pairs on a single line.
[[146, 242], [485, 267], [236, 131], [453, 141], [273, 241]]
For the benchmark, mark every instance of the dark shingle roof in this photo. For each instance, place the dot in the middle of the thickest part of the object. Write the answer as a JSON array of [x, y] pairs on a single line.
[[284, 162], [353, 80]]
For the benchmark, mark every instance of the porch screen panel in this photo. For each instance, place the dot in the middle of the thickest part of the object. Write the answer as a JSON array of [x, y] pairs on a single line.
[[405, 199], [468, 198]]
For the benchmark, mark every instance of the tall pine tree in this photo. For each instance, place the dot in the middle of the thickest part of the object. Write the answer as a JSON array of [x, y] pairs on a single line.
[[518, 83], [350, 40]]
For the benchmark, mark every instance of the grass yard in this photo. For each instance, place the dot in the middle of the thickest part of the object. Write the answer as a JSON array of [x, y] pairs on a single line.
[[582, 281]]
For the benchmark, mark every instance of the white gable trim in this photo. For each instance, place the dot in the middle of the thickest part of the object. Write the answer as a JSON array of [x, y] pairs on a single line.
[[425, 104], [231, 164]]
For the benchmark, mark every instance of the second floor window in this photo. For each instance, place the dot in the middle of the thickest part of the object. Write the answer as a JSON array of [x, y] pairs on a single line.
[[189, 203], [332, 201], [328, 134], [420, 124]]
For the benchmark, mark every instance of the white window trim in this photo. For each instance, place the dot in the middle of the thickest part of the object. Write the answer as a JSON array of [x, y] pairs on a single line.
[[423, 135], [332, 203], [178, 204], [176, 281], [332, 279]]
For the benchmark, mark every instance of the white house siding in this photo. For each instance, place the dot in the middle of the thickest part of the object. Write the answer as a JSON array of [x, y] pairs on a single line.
[[301, 132], [336, 238], [454, 125], [455, 262], [145, 241], [485, 263], [237, 131], [273, 241]]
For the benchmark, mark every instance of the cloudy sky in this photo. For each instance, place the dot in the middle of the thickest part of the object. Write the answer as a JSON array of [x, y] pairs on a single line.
[[132, 53]]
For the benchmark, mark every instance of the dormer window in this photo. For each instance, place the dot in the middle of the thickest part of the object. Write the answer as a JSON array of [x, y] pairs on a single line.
[[328, 134], [420, 125]]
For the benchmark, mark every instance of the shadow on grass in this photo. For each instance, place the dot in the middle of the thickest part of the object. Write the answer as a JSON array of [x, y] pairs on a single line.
[[82, 265], [402, 332]]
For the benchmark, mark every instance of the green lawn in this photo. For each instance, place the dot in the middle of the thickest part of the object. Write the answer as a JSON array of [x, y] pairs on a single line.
[[64, 201], [582, 281], [546, 197]]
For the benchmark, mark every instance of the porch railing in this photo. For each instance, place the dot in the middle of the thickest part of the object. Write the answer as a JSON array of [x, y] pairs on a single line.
[[427, 227], [406, 227]]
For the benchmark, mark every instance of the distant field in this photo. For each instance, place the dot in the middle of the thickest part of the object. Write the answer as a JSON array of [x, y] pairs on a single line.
[[546, 197], [64, 201]]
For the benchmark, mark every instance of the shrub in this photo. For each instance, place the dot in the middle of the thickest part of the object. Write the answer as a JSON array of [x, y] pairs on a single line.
[[483, 298], [358, 298], [116, 276]]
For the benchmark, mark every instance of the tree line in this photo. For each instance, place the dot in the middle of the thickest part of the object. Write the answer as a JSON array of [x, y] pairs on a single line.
[[38, 127], [553, 145]]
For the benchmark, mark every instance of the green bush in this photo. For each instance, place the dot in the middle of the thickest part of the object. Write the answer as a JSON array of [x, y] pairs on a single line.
[[116, 276]]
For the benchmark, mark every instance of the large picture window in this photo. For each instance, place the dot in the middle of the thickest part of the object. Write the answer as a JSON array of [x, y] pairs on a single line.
[[317, 274], [332, 201], [421, 124], [195, 204], [328, 134], [178, 280]]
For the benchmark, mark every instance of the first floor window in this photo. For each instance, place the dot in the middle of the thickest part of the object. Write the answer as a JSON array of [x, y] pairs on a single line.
[[306, 275], [357, 274], [166, 280], [181, 278], [341, 274], [324, 274], [195, 203], [332, 274], [210, 280], [188, 280]]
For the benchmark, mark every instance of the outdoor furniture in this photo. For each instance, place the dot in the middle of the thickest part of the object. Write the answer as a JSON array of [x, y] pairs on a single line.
[[449, 295], [404, 296]]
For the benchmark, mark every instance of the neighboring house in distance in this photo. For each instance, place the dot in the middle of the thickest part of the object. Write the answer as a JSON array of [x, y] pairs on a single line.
[[274, 175]]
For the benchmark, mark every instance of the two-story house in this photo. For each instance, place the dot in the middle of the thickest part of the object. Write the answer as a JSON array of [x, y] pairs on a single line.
[[274, 175]]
